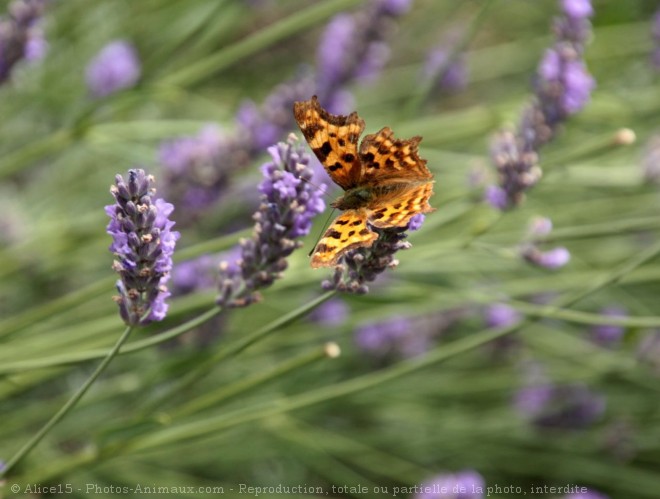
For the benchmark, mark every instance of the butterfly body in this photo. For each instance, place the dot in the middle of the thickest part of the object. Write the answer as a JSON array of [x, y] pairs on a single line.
[[386, 183]]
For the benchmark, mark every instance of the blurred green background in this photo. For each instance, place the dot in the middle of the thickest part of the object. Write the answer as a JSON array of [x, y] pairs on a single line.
[[282, 411]]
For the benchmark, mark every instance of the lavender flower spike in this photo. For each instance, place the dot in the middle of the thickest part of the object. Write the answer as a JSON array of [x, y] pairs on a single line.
[[20, 35], [563, 87], [116, 67], [143, 243], [288, 204]]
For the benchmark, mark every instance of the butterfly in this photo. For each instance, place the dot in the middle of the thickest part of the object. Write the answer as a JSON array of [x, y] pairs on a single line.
[[386, 183]]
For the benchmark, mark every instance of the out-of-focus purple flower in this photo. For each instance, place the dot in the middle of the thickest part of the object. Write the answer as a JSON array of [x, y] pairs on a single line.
[[589, 494], [143, 243], [449, 72], [551, 259], [195, 275], [465, 484], [330, 313], [116, 67], [404, 337], [608, 335], [539, 227], [396, 336], [651, 160], [501, 315], [563, 87], [577, 9], [353, 46], [195, 169], [648, 351], [569, 406], [288, 204], [21, 36]]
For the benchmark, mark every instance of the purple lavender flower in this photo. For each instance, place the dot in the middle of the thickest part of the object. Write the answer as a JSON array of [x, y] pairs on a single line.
[[551, 259], [194, 275], [465, 484], [651, 160], [196, 169], [21, 36], [288, 204], [353, 46], [563, 87], [447, 71], [362, 265], [116, 67], [143, 243], [608, 335], [589, 494], [331, 313], [569, 406], [500, 315], [397, 336]]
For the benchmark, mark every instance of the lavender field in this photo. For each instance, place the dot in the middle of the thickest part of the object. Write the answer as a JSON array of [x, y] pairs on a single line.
[[163, 332]]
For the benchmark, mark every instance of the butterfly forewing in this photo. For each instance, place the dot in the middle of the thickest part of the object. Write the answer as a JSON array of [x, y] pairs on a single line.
[[334, 140]]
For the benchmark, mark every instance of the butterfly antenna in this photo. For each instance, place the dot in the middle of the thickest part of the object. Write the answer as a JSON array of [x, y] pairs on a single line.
[[318, 238]]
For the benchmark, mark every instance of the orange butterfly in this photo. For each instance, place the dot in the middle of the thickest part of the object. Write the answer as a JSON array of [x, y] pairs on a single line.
[[386, 182]]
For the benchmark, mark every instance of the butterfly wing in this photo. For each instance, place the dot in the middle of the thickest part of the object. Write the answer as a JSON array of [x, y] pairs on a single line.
[[397, 205], [385, 158], [348, 231], [334, 139]]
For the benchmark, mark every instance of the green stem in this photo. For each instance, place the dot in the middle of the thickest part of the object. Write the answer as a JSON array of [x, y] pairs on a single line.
[[59, 415], [233, 349]]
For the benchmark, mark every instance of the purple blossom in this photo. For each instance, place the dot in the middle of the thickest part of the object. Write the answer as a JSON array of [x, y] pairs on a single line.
[[465, 484], [143, 243], [21, 36], [397, 336], [353, 46], [651, 160], [569, 406], [608, 335], [288, 204], [195, 275], [331, 313], [563, 87], [195, 169], [552, 259], [500, 315], [589, 494], [116, 67], [448, 72]]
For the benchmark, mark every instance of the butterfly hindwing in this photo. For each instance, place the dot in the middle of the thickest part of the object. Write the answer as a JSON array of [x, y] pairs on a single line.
[[348, 231], [398, 206], [334, 140]]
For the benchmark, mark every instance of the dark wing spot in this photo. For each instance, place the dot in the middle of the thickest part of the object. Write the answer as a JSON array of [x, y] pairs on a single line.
[[389, 163], [332, 134], [356, 223], [378, 215], [342, 142], [368, 157], [344, 240], [322, 248], [341, 222], [397, 206], [334, 234], [375, 165], [351, 233], [383, 149], [364, 232], [336, 166], [326, 148], [348, 157]]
